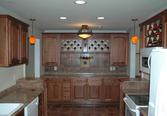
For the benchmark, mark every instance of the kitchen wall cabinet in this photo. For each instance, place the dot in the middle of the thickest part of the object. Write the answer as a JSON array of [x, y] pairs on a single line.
[[13, 37], [71, 89], [119, 50], [110, 48], [153, 32], [51, 49]]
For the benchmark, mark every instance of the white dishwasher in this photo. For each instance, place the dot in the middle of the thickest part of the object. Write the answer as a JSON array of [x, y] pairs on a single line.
[[32, 108]]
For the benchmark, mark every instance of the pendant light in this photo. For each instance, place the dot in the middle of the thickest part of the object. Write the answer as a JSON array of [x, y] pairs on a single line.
[[134, 38], [84, 32], [32, 38]]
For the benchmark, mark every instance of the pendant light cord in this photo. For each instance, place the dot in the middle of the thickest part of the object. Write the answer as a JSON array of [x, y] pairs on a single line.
[[134, 24], [32, 24]]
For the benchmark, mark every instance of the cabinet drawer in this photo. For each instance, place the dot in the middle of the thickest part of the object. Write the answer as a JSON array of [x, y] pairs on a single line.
[[95, 82], [79, 82], [112, 82]]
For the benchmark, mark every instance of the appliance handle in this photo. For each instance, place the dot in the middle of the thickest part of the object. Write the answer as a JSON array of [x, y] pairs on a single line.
[[131, 109], [148, 62]]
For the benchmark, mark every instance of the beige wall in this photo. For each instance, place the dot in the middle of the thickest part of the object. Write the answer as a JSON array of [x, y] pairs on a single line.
[[9, 75]]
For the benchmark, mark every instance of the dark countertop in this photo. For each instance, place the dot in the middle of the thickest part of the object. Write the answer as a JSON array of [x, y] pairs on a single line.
[[18, 94]]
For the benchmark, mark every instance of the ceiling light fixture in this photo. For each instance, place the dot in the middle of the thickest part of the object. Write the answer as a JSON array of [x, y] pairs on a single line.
[[32, 38], [134, 38], [80, 2], [63, 18], [85, 32], [100, 18]]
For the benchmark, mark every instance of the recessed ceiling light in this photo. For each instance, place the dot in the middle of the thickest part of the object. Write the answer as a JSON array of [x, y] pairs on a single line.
[[100, 18], [80, 2], [62, 18]]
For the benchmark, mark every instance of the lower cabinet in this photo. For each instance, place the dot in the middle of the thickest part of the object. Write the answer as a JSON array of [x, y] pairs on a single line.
[[94, 88], [78, 88], [54, 90], [111, 89]]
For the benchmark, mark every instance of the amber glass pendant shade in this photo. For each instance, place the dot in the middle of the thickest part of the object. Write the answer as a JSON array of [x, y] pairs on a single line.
[[85, 32], [134, 38], [32, 39]]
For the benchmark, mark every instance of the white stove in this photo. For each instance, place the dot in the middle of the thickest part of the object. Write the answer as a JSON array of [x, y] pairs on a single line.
[[134, 103]]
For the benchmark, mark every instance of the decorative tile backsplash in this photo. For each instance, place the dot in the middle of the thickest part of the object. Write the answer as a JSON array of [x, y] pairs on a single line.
[[81, 45], [71, 45]]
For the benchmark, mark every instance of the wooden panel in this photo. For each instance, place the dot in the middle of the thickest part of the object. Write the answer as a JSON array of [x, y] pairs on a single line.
[[23, 50], [111, 89], [51, 51], [4, 42], [119, 50], [54, 90], [21, 113], [94, 88], [66, 89], [79, 88]]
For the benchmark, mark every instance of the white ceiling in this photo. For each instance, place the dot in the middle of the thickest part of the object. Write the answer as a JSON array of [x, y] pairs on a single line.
[[117, 13]]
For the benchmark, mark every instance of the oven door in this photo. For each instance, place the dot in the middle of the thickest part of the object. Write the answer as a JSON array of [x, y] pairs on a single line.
[[130, 108]]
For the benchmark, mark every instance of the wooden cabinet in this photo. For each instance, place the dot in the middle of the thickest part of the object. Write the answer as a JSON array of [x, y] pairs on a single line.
[[54, 90], [13, 46], [51, 49], [79, 88], [65, 50], [153, 32], [94, 88], [111, 89], [119, 50], [21, 113], [66, 89]]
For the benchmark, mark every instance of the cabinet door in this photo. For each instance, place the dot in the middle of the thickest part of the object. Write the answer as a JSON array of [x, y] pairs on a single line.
[[66, 89], [79, 88], [111, 89], [4, 42], [14, 42], [23, 51], [119, 50], [51, 50], [94, 88], [54, 90]]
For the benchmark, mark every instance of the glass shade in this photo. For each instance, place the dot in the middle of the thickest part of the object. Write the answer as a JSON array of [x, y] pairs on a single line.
[[84, 32], [32, 39], [134, 39]]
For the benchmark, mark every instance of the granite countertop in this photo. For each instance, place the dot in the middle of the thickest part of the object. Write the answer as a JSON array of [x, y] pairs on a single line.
[[85, 74], [136, 86], [19, 94], [144, 111]]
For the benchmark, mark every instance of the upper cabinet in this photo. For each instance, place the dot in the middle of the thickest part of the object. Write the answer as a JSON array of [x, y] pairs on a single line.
[[13, 45], [119, 50], [66, 51], [50, 49], [153, 32]]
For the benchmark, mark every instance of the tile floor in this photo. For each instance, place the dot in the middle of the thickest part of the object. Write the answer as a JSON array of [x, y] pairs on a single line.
[[54, 110]]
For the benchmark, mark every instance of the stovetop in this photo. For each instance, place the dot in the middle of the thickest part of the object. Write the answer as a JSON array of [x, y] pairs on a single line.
[[140, 99]]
